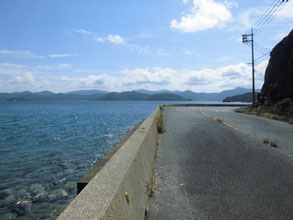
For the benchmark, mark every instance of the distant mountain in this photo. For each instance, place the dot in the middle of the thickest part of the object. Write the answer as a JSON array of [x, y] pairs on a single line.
[[137, 96], [46, 96], [87, 92], [188, 94], [144, 91], [167, 97], [154, 92], [125, 96], [45, 93], [246, 97]]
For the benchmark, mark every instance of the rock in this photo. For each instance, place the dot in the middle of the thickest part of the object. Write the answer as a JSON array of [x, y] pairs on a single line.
[[8, 216], [58, 193], [38, 191], [8, 200], [278, 82], [22, 193], [69, 171], [70, 185], [23, 207], [8, 192]]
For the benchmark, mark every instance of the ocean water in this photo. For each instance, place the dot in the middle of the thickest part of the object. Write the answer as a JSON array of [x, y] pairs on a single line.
[[46, 147]]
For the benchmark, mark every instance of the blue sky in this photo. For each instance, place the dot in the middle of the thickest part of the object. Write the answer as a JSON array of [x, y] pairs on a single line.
[[61, 45]]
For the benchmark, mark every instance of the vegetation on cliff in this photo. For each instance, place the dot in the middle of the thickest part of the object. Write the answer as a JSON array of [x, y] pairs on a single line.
[[282, 110]]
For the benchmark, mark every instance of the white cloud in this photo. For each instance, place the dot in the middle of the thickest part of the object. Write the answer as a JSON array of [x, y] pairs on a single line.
[[83, 31], [162, 52], [144, 34], [20, 77], [236, 38], [18, 66], [11, 69], [19, 54], [231, 4], [26, 78], [99, 39], [62, 55], [115, 39], [188, 52], [204, 15], [286, 11], [249, 17], [16, 77], [64, 66], [224, 59], [279, 36], [185, 1], [245, 20], [91, 35], [205, 80]]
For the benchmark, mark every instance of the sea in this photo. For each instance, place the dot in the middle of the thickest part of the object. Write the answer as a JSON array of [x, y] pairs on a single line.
[[47, 147]]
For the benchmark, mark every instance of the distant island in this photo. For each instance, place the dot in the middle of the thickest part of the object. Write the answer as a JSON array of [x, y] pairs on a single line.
[[135, 95], [246, 97]]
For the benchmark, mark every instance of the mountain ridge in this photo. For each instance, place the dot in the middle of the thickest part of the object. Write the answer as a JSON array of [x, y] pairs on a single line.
[[135, 95]]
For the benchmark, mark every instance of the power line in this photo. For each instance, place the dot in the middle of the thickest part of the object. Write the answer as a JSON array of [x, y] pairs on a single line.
[[261, 60], [261, 57], [263, 48], [267, 12], [270, 19], [257, 70]]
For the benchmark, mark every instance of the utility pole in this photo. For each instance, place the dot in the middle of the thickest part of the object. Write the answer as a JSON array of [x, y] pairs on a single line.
[[247, 38]]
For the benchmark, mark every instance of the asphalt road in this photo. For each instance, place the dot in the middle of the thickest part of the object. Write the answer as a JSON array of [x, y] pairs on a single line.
[[208, 170]]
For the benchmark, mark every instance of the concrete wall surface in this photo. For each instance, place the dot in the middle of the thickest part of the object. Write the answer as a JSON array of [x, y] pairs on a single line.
[[128, 171]]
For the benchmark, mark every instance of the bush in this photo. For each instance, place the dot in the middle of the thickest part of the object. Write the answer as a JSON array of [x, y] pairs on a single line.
[[283, 107]]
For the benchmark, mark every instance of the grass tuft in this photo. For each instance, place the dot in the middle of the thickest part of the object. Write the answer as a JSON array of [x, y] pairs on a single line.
[[160, 122], [271, 142], [274, 144], [266, 141], [220, 120]]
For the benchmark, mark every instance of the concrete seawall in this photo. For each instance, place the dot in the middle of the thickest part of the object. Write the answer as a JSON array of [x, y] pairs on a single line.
[[120, 190]]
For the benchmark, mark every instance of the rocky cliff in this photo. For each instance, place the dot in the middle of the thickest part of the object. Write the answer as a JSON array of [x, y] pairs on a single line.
[[278, 82]]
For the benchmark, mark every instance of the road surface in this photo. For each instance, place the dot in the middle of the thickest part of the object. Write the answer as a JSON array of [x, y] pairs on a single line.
[[213, 170]]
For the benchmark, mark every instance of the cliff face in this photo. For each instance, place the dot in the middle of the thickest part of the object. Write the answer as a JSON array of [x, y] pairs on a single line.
[[278, 82]]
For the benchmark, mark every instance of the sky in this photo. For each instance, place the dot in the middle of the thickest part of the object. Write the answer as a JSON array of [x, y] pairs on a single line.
[[111, 45]]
